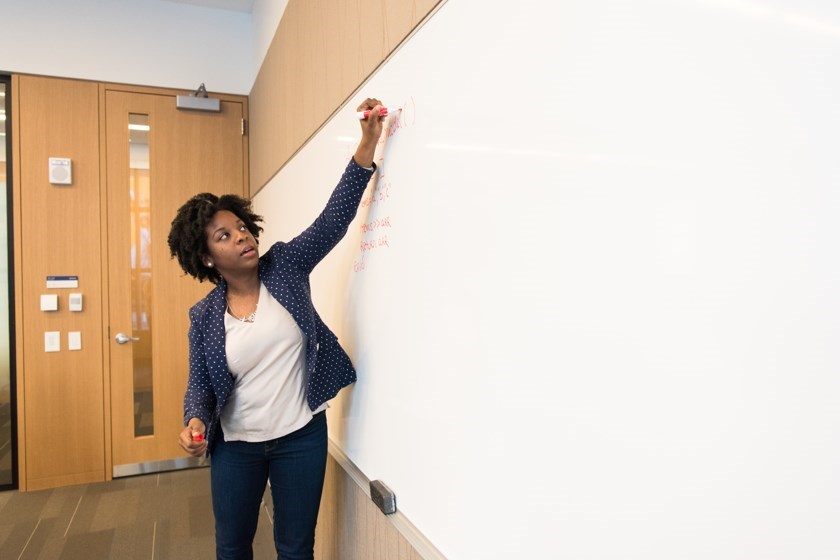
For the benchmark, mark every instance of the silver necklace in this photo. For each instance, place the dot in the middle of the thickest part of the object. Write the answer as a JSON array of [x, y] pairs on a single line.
[[249, 319]]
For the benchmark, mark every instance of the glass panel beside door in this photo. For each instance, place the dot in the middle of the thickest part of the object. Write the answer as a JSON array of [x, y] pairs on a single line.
[[8, 439]]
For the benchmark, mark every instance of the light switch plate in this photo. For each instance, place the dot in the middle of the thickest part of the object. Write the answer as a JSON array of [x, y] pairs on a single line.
[[74, 340], [75, 302], [52, 341], [49, 302]]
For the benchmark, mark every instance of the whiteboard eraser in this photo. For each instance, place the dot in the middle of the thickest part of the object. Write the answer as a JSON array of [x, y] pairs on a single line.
[[383, 497]]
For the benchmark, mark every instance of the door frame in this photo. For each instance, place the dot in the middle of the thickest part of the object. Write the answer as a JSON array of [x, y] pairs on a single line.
[[107, 333]]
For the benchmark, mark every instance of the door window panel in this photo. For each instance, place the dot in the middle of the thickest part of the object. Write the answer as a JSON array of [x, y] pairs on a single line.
[[141, 274]]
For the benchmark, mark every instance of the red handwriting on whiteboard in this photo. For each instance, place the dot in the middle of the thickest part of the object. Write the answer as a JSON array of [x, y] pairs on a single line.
[[369, 245], [359, 264], [383, 190], [381, 193], [368, 200], [374, 238], [405, 118], [376, 224]]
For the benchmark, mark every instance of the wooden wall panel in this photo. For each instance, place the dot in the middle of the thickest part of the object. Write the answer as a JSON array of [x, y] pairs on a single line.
[[59, 234], [63, 403], [351, 527], [322, 51]]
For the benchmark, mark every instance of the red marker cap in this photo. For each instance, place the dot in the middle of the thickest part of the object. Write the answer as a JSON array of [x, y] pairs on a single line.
[[198, 437]]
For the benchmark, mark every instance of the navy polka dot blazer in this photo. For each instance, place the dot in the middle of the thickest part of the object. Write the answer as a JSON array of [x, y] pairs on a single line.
[[284, 270]]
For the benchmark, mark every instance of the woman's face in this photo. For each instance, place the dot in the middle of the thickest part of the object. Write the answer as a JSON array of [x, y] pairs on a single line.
[[232, 247]]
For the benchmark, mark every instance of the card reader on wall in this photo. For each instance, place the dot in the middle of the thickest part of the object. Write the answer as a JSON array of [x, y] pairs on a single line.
[[197, 101]]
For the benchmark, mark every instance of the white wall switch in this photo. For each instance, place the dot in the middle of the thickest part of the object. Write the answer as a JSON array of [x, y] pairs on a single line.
[[52, 341], [61, 171], [74, 340], [49, 302], [75, 302]]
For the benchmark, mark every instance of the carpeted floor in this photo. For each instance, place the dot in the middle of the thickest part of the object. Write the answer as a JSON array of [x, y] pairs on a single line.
[[156, 516]]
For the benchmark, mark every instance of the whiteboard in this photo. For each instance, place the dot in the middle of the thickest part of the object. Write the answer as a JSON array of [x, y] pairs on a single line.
[[592, 292]]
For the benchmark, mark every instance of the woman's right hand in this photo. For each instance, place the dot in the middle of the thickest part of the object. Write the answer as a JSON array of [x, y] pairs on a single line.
[[371, 131], [187, 441]]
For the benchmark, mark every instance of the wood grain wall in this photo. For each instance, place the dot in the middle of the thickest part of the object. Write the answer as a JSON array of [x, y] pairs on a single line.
[[63, 398], [57, 232], [322, 52], [351, 527]]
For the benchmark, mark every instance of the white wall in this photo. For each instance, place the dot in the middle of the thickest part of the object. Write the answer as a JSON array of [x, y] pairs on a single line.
[[266, 18], [149, 42]]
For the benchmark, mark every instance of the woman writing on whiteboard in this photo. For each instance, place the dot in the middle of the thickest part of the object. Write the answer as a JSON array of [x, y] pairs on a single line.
[[262, 363]]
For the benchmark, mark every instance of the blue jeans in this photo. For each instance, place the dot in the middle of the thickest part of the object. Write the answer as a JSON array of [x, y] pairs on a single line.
[[295, 464]]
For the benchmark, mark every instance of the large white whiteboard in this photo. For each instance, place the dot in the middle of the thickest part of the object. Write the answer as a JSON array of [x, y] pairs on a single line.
[[598, 315]]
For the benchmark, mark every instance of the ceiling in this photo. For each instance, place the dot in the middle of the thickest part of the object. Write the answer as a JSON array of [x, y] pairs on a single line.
[[233, 5]]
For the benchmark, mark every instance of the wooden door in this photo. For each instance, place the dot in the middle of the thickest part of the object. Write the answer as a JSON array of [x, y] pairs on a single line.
[[157, 157]]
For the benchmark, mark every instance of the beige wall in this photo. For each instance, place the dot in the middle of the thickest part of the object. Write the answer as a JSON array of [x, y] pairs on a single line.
[[57, 232], [322, 52]]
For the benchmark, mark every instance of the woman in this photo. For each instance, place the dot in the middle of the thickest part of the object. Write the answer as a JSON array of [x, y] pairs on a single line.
[[262, 363]]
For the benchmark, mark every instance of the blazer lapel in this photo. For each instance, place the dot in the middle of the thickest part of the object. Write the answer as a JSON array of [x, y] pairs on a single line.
[[299, 312], [216, 357]]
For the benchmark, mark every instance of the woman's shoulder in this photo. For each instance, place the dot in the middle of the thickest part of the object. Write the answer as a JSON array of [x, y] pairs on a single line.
[[273, 255], [276, 249], [207, 302]]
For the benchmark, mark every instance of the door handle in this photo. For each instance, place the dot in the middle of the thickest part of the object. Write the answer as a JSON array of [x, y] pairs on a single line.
[[122, 339]]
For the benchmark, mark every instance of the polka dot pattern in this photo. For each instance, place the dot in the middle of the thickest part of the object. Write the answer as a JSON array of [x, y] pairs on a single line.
[[284, 270]]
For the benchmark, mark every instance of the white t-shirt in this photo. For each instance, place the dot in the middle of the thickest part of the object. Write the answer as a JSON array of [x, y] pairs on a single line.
[[267, 359]]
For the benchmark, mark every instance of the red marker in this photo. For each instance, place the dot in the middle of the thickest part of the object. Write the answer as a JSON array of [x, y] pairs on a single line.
[[198, 437], [383, 112]]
